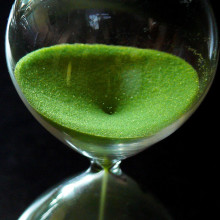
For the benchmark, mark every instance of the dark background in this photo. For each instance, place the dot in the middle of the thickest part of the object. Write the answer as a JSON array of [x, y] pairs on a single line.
[[181, 171]]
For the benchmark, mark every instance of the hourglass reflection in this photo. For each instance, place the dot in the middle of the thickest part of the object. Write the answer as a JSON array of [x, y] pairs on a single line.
[[109, 79]]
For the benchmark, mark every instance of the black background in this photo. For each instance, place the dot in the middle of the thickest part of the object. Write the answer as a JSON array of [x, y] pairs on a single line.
[[181, 171]]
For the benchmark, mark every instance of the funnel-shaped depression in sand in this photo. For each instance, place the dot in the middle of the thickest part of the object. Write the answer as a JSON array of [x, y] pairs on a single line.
[[107, 91]]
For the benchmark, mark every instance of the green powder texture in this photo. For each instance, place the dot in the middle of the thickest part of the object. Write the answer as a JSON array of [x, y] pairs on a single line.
[[107, 91]]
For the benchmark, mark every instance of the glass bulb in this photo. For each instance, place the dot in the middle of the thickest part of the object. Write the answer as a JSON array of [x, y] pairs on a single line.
[[111, 78]]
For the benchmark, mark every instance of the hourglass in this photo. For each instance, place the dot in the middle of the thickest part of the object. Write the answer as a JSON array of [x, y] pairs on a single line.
[[109, 79]]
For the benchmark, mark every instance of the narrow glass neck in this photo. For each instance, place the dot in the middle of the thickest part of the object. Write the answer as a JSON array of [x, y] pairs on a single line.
[[106, 165]]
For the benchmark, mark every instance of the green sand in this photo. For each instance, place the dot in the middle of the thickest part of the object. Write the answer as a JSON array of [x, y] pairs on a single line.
[[107, 91]]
